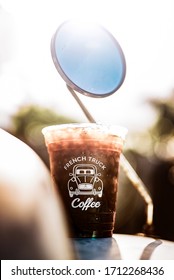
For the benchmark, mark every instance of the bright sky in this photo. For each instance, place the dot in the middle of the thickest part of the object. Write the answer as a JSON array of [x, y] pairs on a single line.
[[143, 28]]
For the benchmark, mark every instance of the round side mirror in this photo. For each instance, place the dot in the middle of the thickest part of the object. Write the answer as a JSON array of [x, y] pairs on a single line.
[[88, 58]]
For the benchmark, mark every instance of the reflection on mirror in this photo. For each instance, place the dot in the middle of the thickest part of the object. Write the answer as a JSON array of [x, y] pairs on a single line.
[[88, 58]]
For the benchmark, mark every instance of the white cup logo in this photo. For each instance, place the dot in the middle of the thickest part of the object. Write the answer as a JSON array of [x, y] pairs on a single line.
[[85, 180]]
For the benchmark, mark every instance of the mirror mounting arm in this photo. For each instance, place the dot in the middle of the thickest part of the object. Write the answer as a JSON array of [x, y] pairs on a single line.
[[85, 111]]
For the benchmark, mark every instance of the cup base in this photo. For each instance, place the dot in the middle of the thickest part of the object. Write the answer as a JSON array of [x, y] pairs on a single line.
[[93, 234]]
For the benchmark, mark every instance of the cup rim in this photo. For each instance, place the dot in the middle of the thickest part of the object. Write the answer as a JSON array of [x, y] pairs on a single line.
[[111, 129]]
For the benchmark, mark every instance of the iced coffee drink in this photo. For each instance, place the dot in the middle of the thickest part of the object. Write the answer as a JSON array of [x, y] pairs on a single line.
[[84, 163]]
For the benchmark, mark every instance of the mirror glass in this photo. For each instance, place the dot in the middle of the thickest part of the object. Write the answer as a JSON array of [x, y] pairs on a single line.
[[88, 58]]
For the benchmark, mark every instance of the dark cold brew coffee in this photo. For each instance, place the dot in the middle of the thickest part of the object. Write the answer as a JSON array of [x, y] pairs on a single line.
[[84, 162]]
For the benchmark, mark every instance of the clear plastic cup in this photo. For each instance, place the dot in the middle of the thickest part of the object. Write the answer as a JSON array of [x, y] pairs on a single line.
[[84, 162]]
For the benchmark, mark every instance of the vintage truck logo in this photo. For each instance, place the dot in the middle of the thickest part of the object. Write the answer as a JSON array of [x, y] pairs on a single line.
[[85, 181]]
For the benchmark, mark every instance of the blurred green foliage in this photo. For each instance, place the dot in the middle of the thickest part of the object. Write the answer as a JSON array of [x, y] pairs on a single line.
[[162, 133], [165, 123], [27, 125]]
